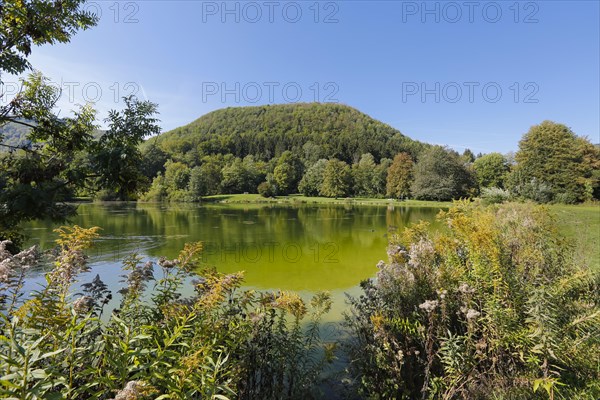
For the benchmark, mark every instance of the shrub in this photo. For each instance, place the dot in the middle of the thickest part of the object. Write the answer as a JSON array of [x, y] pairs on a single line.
[[491, 307], [222, 342], [494, 195], [441, 175], [265, 189], [530, 189]]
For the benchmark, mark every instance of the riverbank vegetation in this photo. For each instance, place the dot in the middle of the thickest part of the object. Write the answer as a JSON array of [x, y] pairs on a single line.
[[252, 198], [492, 307], [221, 343]]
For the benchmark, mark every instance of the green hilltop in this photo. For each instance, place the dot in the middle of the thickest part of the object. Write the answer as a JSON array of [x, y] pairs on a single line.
[[331, 130]]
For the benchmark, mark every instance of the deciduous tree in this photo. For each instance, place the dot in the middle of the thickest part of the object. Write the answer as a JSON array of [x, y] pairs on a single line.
[[551, 153], [363, 174], [490, 170], [287, 173], [313, 179], [116, 156], [400, 176], [440, 174], [337, 179]]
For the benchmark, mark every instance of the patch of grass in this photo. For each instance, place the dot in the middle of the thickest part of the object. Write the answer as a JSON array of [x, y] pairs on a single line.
[[300, 199], [581, 223]]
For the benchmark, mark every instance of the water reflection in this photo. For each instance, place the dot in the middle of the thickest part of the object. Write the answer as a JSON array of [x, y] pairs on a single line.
[[304, 248]]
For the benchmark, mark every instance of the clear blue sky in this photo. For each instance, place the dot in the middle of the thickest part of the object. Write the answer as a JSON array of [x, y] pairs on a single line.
[[377, 56]]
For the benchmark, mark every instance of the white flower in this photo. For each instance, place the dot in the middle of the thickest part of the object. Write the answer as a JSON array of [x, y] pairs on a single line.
[[421, 253], [466, 289], [10, 263], [83, 305], [429, 305], [472, 314], [133, 390]]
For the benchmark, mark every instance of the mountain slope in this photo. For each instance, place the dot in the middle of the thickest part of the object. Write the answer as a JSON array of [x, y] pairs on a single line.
[[334, 130], [13, 135]]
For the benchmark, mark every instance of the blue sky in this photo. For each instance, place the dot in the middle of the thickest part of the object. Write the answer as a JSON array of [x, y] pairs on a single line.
[[464, 74]]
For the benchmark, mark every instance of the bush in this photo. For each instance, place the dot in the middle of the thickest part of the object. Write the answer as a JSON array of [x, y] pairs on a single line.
[[492, 307], [494, 195], [566, 198], [106, 195], [530, 189], [265, 189], [441, 175], [220, 343]]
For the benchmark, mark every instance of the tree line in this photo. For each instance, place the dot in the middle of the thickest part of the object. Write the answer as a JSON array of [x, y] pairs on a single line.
[[552, 164]]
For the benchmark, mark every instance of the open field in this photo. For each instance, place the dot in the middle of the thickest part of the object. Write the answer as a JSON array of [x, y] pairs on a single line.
[[581, 223]]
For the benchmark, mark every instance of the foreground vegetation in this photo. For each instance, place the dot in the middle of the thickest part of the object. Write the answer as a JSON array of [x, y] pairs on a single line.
[[494, 306], [222, 343]]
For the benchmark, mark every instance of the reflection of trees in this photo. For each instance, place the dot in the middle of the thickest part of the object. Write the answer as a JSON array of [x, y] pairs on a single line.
[[359, 234], [397, 218]]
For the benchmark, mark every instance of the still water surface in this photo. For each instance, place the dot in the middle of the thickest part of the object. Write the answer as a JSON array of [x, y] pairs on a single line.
[[301, 248]]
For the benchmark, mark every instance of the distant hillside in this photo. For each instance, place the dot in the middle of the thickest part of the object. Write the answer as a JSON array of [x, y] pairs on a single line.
[[267, 131], [13, 135], [16, 135]]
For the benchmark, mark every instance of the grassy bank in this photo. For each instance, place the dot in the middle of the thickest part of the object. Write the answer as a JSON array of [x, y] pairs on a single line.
[[581, 223], [300, 199]]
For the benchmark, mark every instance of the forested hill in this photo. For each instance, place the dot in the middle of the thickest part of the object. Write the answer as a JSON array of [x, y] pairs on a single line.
[[325, 130], [13, 135]]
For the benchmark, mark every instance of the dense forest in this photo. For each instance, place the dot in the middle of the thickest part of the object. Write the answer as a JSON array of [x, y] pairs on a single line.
[[322, 130], [333, 150]]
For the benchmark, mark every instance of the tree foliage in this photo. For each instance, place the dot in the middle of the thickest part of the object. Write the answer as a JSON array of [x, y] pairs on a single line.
[[37, 179], [400, 176], [287, 173], [551, 154], [312, 180], [337, 179], [25, 23], [364, 176], [312, 131], [440, 175], [491, 170], [59, 156], [116, 156]]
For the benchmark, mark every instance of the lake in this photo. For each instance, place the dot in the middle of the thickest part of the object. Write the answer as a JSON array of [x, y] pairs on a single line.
[[303, 248]]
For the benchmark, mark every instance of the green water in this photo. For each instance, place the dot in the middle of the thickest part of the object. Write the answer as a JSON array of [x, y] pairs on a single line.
[[300, 248]]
